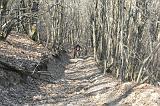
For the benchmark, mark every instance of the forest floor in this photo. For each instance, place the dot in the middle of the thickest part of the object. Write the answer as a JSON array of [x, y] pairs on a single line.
[[82, 84]]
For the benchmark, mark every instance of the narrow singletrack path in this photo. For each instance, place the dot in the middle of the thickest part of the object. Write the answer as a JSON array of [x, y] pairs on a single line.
[[85, 85]]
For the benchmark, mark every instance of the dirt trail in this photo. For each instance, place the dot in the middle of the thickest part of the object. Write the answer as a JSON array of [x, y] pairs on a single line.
[[84, 85]]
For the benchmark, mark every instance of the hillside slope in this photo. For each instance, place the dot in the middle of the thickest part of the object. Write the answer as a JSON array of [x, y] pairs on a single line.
[[76, 82]]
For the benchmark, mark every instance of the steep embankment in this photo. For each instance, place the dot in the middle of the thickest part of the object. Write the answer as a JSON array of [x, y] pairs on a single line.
[[24, 66]]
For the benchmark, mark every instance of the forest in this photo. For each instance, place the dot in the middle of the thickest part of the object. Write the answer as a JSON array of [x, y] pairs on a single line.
[[122, 37]]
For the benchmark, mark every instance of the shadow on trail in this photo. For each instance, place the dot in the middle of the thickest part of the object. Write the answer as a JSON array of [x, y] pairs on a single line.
[[86, 77], [57, 66], [99, 91], [96, 85]]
